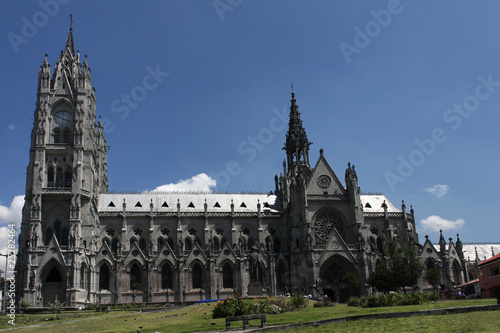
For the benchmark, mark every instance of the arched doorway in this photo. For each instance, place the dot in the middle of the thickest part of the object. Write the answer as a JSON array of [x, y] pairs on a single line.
[[54, 285], [339, 279]]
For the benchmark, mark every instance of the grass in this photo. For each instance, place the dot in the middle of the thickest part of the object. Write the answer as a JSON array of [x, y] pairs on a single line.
[[199, 318], [467, 322]]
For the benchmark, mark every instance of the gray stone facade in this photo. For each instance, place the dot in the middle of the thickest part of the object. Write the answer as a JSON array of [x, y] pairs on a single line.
[[83, 244]]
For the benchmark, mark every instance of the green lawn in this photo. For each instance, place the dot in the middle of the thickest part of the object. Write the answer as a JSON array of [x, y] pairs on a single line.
[[198, 318], [468, 322]]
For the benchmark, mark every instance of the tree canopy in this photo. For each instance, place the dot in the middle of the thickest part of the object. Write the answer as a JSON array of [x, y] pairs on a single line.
[[403, 269]]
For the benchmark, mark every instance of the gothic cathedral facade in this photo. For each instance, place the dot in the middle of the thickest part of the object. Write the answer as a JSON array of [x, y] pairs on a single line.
[[82, 244]]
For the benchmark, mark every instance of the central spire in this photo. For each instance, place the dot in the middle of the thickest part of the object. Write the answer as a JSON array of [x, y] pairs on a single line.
[[297, 144], [69, 41]]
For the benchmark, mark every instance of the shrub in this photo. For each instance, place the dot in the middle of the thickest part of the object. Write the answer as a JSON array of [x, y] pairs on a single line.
[[298, 302], [56, 307], [233, 307], [353, 301], [24, 305], [282, 303], [323, 304], [372, 301], [391, 300]]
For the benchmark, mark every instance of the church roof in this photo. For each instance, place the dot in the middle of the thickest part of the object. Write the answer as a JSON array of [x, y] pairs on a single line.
[[189, 202], [495, 257], [372, 203], [484, 250]]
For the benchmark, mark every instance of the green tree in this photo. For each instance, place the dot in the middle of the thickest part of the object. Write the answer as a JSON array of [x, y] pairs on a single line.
[[352, 281], [433, 277], [56, 307], [135, 287], [404, 269], [404, 265], [24, 305], [382, 279]]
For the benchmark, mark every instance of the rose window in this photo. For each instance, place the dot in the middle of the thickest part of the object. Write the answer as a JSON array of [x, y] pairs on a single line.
[[324, 225]]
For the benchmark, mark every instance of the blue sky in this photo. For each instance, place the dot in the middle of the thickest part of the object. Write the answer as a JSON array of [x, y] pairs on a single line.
[[408, 91]]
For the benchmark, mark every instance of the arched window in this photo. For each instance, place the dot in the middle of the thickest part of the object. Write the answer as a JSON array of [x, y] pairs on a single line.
[[135, 275], [166, 277], [59, 177], [67, 177], [67, 137], [197, 276], [56, 135], [57, 230], [114, 245], [48, 235], [50, 177], [188, 245], [281, 276], [227, 276], [104, 277], [170, 243], [380, 245], [142, 245], [83, 277], [216, 244], [431, 263], [132, 242], [160, 243], [64, 237], [277, 245]]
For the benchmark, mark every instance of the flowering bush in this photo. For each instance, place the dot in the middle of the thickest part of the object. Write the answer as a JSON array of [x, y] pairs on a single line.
[[238, 307], [233, 307]]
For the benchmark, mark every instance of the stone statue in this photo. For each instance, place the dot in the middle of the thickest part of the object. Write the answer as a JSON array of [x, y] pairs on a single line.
[[32, 279], [253, 258]]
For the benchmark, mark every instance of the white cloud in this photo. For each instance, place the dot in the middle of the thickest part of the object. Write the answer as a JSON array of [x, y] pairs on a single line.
[[4, 243], [436, 223], [200, 182], [13, 213], [9, 215], [11, 127], [438, 190]]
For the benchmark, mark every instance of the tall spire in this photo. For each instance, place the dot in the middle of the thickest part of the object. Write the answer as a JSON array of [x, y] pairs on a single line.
[[296, 145], [69, 41]]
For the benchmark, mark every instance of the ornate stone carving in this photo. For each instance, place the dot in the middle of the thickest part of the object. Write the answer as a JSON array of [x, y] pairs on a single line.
[[324, 181], [324, 224]]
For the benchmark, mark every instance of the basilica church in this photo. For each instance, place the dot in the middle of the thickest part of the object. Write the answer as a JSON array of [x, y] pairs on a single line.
[[83, 244]]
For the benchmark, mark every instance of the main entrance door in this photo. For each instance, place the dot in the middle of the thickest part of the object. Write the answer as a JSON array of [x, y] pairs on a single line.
[[336, 284], [54, 286]]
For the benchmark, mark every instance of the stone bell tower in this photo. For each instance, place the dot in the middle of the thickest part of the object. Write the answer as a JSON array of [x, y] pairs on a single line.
[[65, 175]]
